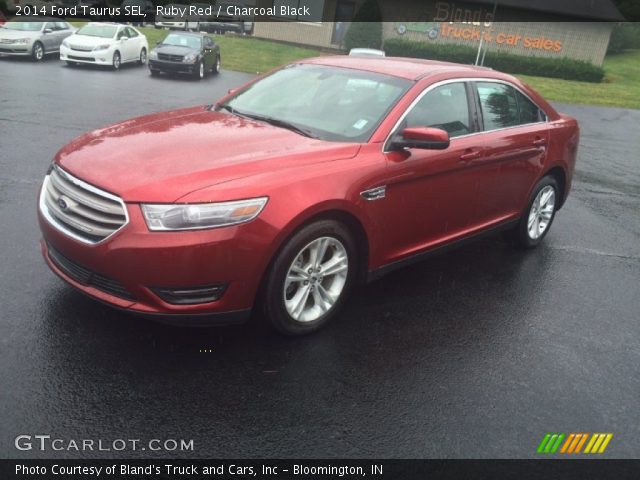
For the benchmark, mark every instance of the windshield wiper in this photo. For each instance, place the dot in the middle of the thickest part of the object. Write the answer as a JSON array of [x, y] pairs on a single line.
[[276, 122]]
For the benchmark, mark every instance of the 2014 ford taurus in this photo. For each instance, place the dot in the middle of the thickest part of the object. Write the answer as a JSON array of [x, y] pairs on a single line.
[[295, 187]]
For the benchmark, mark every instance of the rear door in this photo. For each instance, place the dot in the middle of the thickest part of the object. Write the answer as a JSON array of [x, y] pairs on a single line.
[[514, 144]]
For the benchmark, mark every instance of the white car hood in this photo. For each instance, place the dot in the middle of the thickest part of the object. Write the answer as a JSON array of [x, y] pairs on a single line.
[[87, 41]]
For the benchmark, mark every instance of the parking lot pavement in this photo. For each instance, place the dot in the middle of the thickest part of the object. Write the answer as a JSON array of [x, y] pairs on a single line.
[[477, 353]]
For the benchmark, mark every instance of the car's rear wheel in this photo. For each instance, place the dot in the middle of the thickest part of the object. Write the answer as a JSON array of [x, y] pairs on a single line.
[[37, 52], [117, 61], [310, 278], [143, 57], [538, 217]]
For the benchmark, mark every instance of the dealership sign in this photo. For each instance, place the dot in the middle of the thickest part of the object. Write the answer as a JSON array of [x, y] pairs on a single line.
[[469, 32]]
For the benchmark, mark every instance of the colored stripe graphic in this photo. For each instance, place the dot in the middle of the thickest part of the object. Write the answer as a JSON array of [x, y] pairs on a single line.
[[597, 443]]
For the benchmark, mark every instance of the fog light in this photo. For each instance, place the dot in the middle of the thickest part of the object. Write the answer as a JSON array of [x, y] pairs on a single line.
[[190, 295]]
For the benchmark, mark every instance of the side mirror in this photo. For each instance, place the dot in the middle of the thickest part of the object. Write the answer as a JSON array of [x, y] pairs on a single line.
[[426, 138], [47, 30]]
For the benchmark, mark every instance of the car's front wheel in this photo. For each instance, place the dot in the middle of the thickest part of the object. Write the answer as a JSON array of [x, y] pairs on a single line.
[[198, 72], [117, 61], [310, 278], [143, 57], [216, 66], [538, 217], [37, 52]]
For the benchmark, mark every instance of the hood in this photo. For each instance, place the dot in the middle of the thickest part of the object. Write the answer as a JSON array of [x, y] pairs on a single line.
[[88, 41], [175, 50], [14, 34], [165, 156]]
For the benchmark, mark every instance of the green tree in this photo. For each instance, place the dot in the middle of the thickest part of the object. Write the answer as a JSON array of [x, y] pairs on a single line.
[[366, 29]]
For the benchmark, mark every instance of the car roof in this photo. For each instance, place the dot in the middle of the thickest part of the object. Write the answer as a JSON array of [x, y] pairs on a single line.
[[188, 34], [408, 68]]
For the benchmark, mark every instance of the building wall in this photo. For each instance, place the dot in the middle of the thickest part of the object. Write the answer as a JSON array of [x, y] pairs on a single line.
[[586, 41], [313, 34]]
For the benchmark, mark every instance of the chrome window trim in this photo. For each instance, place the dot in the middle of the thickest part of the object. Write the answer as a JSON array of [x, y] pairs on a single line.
[[463, 80], [58, 225]]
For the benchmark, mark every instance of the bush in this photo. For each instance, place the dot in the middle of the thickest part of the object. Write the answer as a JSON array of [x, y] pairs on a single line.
[[624, 36], [366, 29], [506, 62]]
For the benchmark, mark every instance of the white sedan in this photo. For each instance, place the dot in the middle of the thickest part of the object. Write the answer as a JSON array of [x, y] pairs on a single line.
[[107, 44]]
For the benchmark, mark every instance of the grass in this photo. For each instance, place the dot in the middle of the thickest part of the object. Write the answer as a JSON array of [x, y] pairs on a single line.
[[621, 86]]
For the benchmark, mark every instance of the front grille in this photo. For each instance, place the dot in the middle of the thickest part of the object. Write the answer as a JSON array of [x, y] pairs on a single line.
[[170, 58], [85, 59], [87, 277], [81, 49], [80, 210]]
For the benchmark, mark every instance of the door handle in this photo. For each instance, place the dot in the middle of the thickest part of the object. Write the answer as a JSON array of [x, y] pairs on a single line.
[[469, 155], [540, 142]]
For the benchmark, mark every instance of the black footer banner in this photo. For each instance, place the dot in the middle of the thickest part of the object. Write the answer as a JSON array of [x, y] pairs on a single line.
[[318, 469]]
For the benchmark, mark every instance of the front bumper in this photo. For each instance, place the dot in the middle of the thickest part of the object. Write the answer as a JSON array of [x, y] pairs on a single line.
[[100, 57], [173, 67], [133, 262], [18, 49]]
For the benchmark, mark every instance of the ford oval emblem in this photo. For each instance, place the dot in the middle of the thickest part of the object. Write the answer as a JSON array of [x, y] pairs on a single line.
[[63, 204]]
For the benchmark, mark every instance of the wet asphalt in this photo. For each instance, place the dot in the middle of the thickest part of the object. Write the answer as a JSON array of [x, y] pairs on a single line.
[[477, 353]]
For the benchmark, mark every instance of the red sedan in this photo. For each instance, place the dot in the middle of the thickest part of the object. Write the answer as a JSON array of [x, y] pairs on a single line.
[[297, 186]]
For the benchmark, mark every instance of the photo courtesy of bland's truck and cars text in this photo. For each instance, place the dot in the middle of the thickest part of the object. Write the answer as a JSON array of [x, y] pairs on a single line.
[[319, 239]]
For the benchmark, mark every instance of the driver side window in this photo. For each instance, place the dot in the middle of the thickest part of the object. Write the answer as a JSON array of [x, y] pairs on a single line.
[[122, 34], [445, 107]]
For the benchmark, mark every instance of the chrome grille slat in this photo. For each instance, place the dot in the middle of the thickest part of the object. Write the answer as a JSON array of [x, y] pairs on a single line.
[[85, 197], [82, 211]]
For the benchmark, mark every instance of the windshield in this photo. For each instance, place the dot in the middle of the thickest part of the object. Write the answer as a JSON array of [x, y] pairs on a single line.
[[24, 26], [178, 40], [103, 31], [331, 103]]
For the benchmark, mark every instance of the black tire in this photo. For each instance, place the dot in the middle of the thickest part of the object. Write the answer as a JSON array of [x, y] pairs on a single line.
[[71, 64], [154, 73], [520, 235], [142, 60], [215, 69], [37, 52], [274, 291], [117, 61], [199, 72]]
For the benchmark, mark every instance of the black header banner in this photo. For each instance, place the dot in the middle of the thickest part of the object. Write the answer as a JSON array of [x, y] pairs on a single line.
[[311, 11]]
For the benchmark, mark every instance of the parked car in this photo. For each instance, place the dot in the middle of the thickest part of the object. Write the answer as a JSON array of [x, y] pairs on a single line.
[[34, 39], [108, 44], [295, 187], [195, 54], [174, 22]]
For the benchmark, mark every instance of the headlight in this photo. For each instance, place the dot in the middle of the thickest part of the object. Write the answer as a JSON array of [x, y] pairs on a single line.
[[201, 215], [153, 55], [65, 44], [190, 58], [22, 40], [101, 47]]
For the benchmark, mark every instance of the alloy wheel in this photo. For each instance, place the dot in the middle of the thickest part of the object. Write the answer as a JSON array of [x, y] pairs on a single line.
[[38, 51], [316, 278], [541, 212]]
